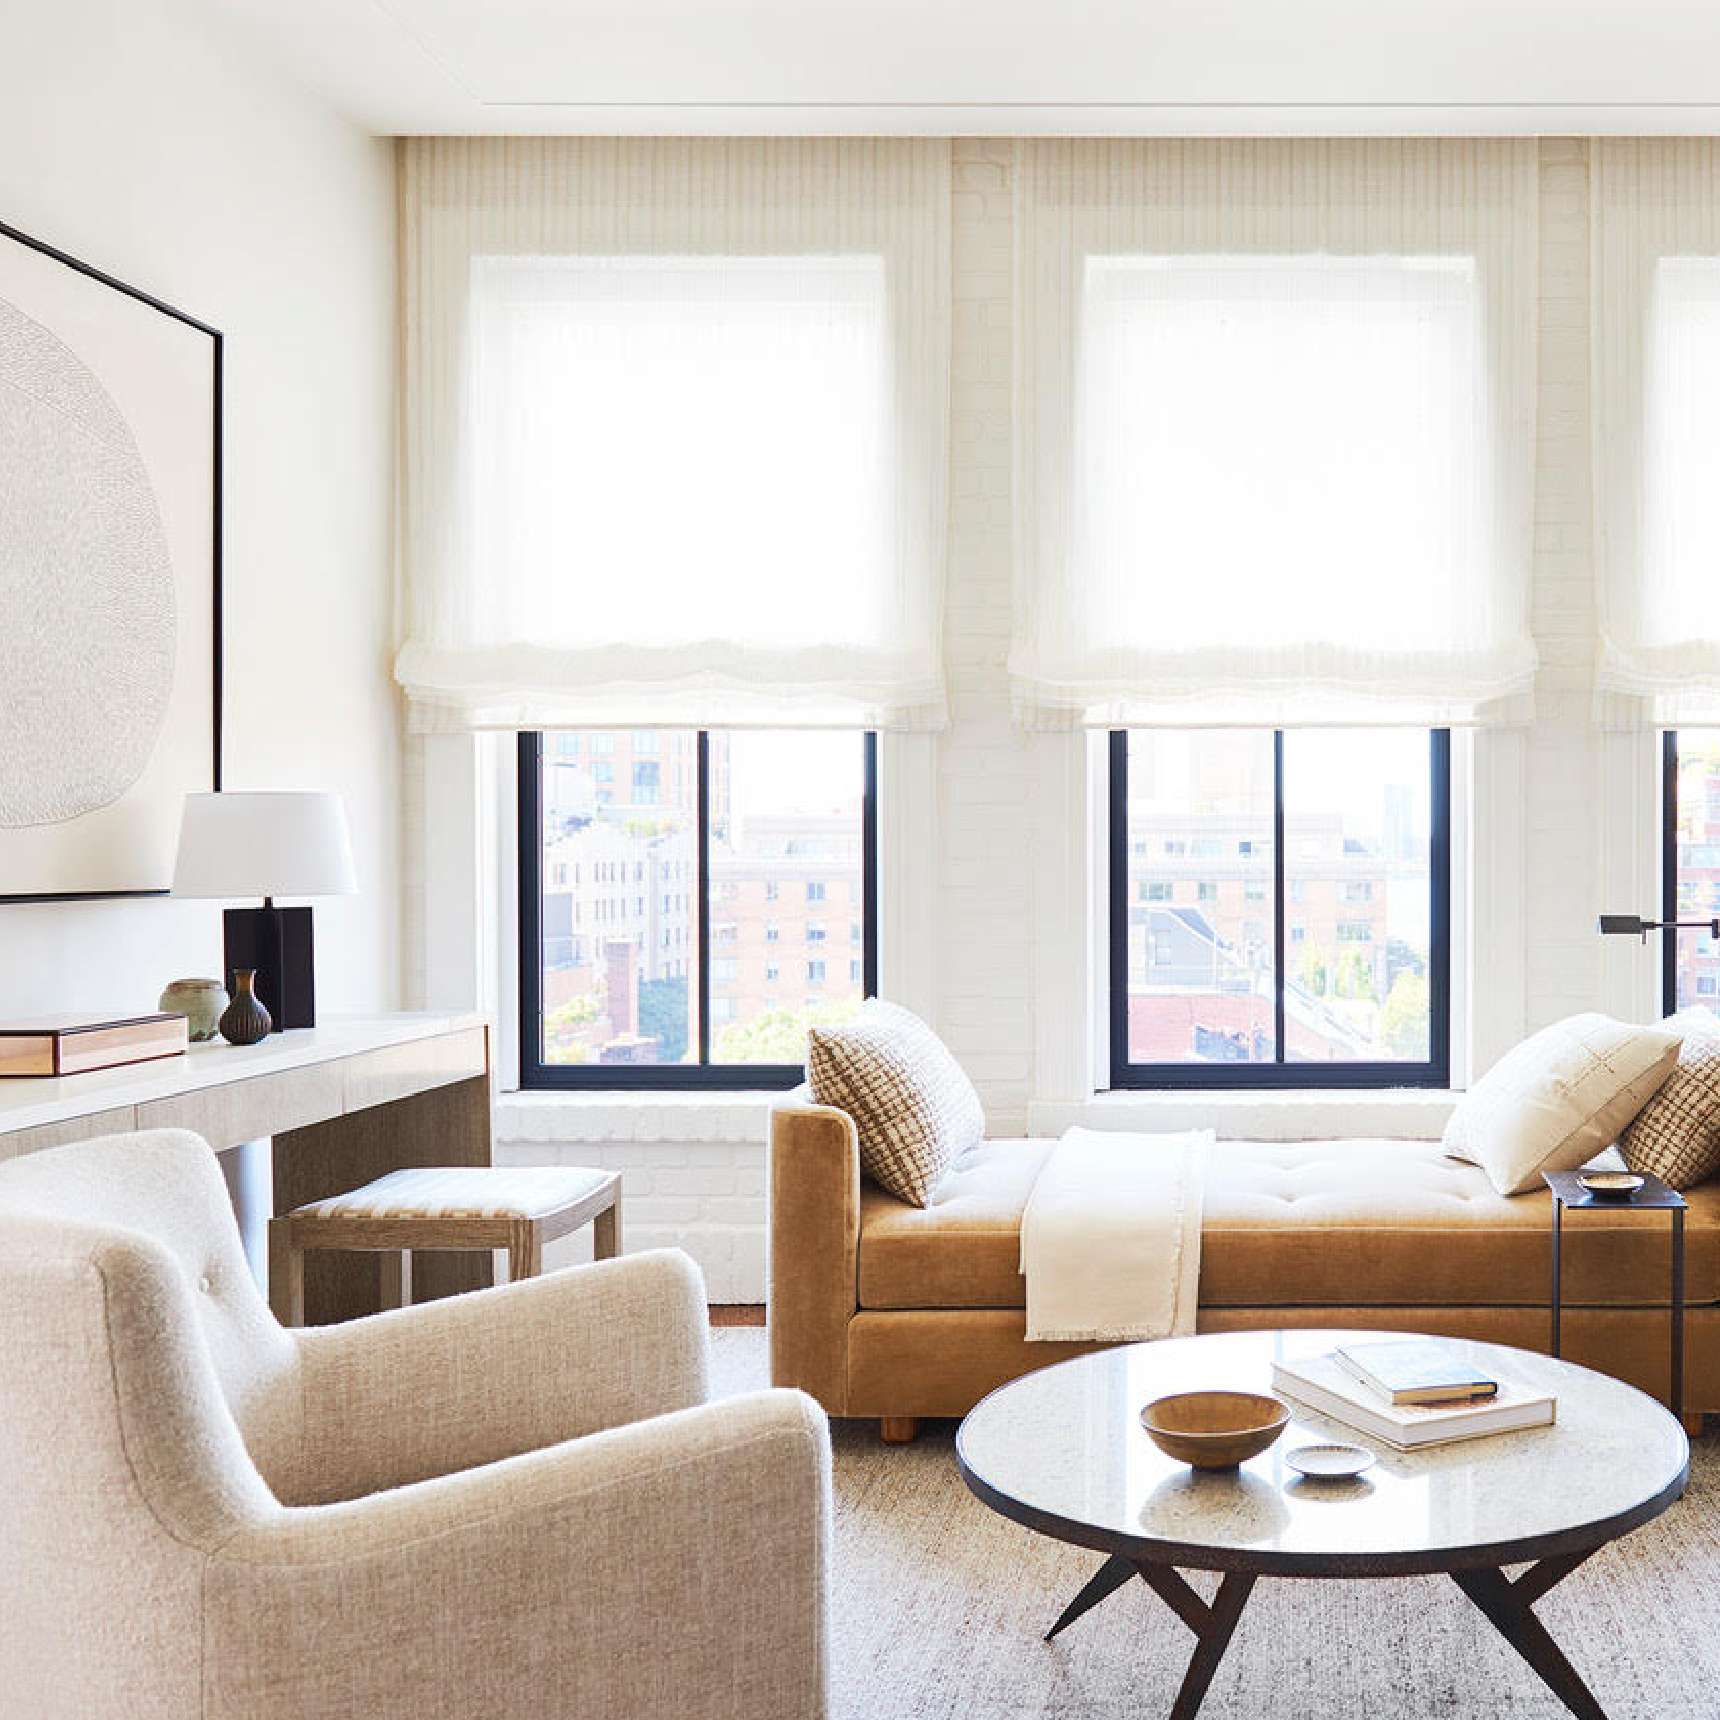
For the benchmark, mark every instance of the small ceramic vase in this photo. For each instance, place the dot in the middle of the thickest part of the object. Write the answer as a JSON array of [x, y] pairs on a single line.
[[246, 1020], [201, 1001]]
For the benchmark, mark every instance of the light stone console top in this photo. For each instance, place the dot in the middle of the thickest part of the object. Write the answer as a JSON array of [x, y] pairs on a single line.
[[335, 1067]]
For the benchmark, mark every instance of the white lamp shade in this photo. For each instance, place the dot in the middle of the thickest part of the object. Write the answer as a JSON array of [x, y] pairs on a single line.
[[264, 845]]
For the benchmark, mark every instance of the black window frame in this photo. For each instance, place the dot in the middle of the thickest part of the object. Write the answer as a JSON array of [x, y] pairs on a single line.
[[1669, 870], [1281, 1075], [704, 1075]]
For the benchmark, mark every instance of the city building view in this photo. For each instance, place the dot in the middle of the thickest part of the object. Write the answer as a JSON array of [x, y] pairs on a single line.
[[620, 880], [1697, 968], [1357, 887]]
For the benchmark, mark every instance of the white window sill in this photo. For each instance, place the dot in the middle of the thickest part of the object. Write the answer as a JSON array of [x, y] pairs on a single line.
[[614, 1115], [1391, 1113]]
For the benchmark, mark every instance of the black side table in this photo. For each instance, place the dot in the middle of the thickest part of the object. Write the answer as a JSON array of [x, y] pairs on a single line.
[[1653, 1196]]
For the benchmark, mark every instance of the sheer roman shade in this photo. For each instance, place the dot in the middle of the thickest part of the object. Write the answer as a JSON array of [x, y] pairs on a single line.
[[676, 427], [1656, 320], [1275, 420]]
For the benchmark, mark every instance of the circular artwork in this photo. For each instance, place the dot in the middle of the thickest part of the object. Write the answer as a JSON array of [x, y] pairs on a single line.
[[87, 620]]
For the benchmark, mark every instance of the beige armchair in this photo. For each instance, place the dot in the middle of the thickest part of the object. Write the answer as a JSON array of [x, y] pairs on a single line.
[[514, 1503]]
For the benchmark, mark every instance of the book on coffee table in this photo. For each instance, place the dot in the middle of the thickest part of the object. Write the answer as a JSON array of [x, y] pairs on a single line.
[[1323, 1383], [1418, 1370]]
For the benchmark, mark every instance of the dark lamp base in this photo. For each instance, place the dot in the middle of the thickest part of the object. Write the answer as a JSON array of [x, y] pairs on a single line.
[[278, 943]]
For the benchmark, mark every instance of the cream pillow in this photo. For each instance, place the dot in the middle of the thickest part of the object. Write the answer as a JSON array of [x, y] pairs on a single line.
[[913, 1108], [1559, 1098]]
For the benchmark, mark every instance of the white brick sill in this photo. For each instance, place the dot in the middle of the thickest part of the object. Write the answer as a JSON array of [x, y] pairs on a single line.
[[617, 1117], [1394, 1113]]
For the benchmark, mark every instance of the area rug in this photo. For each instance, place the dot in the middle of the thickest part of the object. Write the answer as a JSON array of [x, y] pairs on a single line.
[[939, 1606]]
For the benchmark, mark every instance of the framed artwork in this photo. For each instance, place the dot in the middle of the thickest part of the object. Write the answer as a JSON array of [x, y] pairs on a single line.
[[110, 577]]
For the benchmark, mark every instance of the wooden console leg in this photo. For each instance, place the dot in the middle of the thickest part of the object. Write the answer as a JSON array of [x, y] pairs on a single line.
[[1692, 1419], [899, 1429]]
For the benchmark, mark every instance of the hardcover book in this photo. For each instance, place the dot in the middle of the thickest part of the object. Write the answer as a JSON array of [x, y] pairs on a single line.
[[1324, 1384], [75, 1044], [1418, 1370]]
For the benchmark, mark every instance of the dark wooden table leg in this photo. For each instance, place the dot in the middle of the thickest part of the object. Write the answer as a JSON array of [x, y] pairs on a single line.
[[1109, 1577], [1213, 1624], [1508, 1606]]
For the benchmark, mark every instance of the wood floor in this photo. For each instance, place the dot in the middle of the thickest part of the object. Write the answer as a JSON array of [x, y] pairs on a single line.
[[737, 1313]]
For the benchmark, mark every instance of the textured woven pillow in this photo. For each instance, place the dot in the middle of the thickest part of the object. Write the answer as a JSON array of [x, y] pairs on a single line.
[[1676, 1135], [914, 1109], [1564, 1094]]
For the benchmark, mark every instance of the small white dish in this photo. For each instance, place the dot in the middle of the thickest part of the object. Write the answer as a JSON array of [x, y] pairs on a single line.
[[1329, 1462]]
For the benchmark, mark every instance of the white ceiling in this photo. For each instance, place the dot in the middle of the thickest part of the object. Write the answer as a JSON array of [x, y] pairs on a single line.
[[1001, 66]]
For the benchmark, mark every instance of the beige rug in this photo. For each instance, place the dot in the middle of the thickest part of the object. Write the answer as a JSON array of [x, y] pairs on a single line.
[[940, 1604]]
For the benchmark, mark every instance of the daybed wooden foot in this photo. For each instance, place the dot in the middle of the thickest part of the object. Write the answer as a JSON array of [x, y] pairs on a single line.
[[899, 1429]]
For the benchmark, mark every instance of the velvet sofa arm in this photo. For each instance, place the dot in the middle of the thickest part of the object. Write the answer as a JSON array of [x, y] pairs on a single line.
[[814, 1249]]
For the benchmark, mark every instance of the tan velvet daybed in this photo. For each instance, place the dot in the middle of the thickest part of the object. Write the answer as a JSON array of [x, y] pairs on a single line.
[[882, 1309]]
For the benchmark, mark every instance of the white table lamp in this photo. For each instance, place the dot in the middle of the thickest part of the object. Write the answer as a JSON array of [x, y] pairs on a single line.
[[268, 845]]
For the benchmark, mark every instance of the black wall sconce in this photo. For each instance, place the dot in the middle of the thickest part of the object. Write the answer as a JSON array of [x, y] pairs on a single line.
[[1634, 926]]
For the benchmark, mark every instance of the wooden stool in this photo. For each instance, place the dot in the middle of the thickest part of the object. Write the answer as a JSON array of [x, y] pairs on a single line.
[[470, 1206]]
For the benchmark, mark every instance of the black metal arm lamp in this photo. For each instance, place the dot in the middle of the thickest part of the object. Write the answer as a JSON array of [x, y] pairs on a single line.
[[1633, 925]]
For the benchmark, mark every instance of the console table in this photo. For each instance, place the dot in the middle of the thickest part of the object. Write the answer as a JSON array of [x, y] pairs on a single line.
[[343, 1102]]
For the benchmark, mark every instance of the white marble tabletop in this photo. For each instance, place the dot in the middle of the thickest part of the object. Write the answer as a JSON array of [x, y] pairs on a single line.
[[1067, 1442]]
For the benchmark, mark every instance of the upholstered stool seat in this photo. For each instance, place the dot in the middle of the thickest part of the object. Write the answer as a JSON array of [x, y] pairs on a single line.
[[455, 1206]]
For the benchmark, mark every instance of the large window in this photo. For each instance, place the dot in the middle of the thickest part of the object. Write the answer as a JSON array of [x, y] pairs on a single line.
[[1691, 867], [680, 894], [1280, 907]]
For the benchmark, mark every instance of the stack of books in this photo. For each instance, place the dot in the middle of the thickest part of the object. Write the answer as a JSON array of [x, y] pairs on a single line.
[[1412, 1393]]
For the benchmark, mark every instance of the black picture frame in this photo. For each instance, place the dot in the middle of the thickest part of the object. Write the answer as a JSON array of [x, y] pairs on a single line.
[[217, 359]]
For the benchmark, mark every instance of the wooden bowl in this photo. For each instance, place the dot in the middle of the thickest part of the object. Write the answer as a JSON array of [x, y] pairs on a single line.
[[1214, 1430]]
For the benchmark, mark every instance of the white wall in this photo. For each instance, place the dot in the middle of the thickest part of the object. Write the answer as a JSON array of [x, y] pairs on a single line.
[[136, 140]]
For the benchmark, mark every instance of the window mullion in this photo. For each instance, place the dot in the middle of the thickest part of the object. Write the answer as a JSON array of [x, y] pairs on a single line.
[[1669, 869], [702, 907], [1278, 935]]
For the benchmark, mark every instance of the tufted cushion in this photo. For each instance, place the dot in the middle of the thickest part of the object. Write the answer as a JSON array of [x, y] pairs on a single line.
[[913, 1108], [1676, 1135], [963, 1249], [1561, 1096], [464, 1191], [1355, 1223]]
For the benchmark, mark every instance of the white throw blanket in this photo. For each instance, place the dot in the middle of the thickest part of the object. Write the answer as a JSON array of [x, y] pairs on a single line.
[[1110, 1240]]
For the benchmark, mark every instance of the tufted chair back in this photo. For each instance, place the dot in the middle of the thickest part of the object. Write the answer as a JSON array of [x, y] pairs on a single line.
[[137, 1364], [161, 1189]]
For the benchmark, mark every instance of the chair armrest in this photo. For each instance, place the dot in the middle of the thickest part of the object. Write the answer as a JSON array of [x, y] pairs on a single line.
[[451, 1384], [676, 1567], [814, 1249]]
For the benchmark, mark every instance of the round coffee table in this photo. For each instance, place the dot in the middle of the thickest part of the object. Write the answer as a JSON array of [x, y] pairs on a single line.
[[1063, 1452]]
